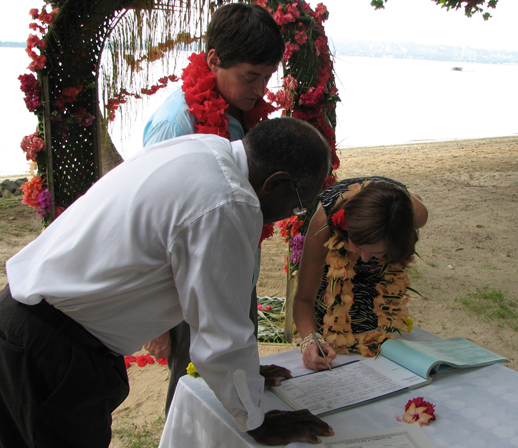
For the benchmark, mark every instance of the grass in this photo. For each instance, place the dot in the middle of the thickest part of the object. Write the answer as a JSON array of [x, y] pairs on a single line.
[[133, 436], [16, 219], [491, 304]]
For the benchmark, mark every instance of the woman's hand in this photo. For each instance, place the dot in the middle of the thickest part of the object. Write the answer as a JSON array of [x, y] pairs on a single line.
[[313, 360]]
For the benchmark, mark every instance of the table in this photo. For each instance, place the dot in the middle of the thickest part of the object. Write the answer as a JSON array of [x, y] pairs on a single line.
[[475, 408]]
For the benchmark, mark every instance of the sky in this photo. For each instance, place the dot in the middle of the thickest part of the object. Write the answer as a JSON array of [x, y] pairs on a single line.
[[419, 21]]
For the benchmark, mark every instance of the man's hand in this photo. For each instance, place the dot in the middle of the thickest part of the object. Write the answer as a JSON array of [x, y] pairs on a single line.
[[271, 373], [312, 359], [160, 347], [283, 427]]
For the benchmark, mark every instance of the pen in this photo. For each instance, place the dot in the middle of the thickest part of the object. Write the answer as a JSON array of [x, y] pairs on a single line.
[[320, 348]]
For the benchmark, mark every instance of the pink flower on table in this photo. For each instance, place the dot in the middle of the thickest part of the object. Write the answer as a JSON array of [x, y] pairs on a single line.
[[418, 411]]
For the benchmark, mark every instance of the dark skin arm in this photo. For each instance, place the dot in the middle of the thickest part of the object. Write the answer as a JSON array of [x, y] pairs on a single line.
[[283, 427], [271, 373]]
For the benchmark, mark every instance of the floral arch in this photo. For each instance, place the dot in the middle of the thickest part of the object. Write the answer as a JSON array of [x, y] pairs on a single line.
[[66, 44]]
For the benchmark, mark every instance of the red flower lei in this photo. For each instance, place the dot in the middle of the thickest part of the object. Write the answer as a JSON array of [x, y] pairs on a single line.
[[209, 107]]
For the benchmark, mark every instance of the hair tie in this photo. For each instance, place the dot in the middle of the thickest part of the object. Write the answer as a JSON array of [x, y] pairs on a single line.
[[339, 219]]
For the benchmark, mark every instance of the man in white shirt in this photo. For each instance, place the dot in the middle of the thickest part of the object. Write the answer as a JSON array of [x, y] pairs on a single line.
[[150, 244]]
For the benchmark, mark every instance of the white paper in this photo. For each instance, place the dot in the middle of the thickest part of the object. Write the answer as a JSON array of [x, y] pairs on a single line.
[[405, 436], [344, 386]]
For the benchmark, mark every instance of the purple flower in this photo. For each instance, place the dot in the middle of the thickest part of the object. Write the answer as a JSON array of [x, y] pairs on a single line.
[[296, 245], [45, 202]]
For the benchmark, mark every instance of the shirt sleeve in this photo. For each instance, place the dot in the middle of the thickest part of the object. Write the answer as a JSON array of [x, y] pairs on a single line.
[[172, 119], [213, 264]]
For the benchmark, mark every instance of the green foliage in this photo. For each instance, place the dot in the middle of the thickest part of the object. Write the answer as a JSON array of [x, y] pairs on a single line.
[[271, 323], [471, 7], [491, 304], [146, 436]]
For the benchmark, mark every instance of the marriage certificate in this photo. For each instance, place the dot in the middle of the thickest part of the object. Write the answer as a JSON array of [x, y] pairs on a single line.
[[348, 385]]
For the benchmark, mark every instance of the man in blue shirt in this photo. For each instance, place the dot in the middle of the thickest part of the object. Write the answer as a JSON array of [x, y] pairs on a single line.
[[244, 47]]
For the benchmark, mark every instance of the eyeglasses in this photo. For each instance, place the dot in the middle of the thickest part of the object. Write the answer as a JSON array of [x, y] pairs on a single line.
[[298, 211]]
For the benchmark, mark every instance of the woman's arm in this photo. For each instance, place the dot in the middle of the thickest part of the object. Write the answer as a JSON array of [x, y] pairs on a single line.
[[420, 210], [311, 270]]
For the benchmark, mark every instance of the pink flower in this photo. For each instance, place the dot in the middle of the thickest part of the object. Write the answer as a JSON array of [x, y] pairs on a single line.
[[32, 89], [289, 50], [418, 411], [31, 145], [321, 12], [35, 41], [301, 37], [38, 63]]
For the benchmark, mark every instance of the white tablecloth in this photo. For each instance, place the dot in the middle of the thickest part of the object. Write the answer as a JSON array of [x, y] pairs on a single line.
[[475, 408]]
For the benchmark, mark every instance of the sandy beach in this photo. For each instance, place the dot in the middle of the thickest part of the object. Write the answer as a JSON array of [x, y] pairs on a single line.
[[468, 245]]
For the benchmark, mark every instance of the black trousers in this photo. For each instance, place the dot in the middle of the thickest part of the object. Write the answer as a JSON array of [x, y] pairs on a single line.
[[58, 383]]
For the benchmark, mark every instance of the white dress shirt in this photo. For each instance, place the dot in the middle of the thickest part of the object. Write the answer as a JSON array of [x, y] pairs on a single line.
[[168, 235]]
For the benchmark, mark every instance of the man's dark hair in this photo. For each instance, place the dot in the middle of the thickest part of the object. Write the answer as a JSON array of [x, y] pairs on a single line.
[[244, 33], [291, 145]]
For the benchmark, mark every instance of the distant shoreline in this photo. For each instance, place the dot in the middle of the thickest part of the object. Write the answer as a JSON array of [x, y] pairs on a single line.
[[435, 145], [13, 44]]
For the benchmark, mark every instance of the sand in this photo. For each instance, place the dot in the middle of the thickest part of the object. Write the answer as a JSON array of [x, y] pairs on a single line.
[[469, 243]]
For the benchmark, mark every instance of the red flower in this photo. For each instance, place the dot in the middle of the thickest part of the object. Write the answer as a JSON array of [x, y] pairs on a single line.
[[31, 190], [32, 89], [289, 50], [70, 93], [301, 37], [38, 63], [419, 402], [264, 4], [282, 18], [141, 360], [35, 41], [418, 411], [267, 232], [207, 105], [339, 219], [321, 12]]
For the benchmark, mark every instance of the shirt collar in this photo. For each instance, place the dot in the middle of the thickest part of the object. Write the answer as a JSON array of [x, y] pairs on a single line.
[[239, 155]]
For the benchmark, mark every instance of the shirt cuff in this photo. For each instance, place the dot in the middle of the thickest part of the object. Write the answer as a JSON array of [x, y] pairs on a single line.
[[255, 415]]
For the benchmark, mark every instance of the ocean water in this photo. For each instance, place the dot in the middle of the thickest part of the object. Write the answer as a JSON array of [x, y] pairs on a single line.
[[383, 102]]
